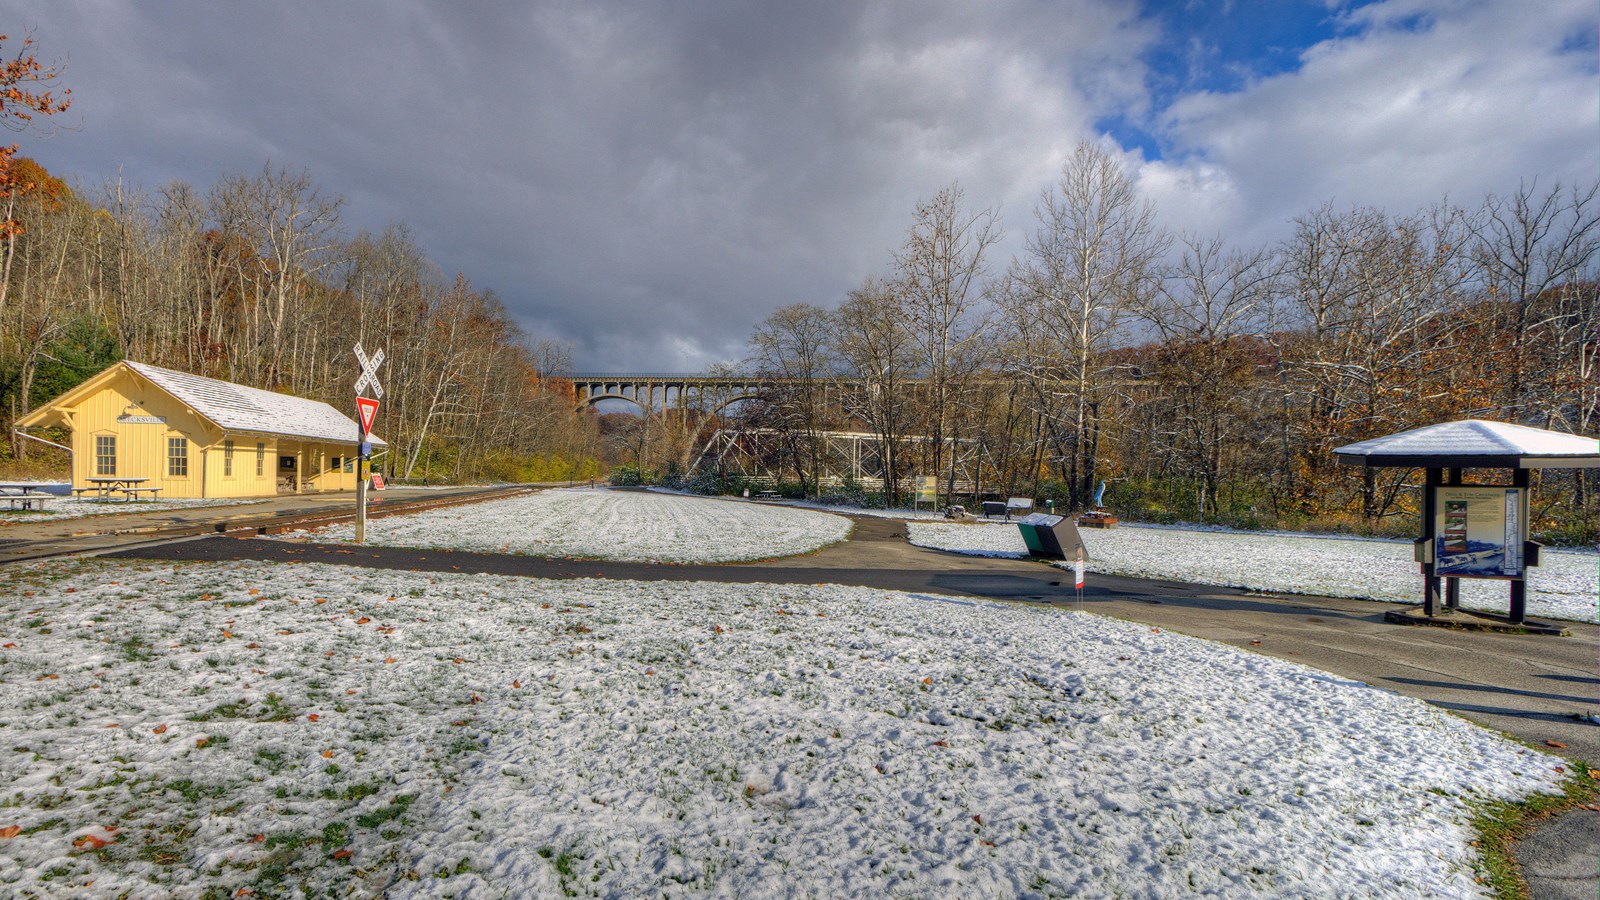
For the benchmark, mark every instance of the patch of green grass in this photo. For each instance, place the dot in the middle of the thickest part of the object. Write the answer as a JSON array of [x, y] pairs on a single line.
[[335, 834], [238, 709], [164, 846], [352, 793], [1500, 824], [395, 809], [287, 839], [194, 793], [44, 826], [275, 710], [134, 649]]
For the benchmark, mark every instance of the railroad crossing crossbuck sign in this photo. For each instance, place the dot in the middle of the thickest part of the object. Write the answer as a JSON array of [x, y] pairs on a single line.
[[369, 372]]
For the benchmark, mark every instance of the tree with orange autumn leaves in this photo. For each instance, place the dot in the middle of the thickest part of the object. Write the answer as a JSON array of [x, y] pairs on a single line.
[[23, 95]]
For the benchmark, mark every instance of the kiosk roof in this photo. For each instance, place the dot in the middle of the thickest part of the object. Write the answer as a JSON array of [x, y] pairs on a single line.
[[1475, 443]]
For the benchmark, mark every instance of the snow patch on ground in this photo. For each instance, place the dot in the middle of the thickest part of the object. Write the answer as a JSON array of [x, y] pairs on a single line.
[[307, 728], [632, 526], [1564, 586]]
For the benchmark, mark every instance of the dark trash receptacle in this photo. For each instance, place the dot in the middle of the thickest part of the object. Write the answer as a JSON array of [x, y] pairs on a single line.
[[1054, 537], [993, 508]]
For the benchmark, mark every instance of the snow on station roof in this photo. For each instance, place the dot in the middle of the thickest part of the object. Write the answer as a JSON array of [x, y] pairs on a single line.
[[234, 407], [1475, 443]]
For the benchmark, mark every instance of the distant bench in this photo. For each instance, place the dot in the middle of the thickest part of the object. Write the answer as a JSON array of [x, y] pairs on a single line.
[[24, 496], [128, 494], [26, 501]]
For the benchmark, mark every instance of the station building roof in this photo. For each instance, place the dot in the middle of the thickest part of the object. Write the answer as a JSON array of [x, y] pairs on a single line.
[[231, 407]]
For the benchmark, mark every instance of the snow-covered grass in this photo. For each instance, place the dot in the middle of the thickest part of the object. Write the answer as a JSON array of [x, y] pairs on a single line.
[[605, 524], [193, 731], [61, 508], [1562, 587]]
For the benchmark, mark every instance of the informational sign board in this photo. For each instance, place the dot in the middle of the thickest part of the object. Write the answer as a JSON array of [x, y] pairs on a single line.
[[1077, 569], [1479, 531], [377, 481], [927, 489]]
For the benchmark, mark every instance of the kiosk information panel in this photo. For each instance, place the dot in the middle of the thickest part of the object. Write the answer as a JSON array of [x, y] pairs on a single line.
[[1479, 531]]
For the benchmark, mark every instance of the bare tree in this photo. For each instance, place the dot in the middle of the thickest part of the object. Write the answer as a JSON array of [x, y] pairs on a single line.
[[792, 355], [1210, 311], [1091, 257], [939, 277], [1528, 245], [877, 352]]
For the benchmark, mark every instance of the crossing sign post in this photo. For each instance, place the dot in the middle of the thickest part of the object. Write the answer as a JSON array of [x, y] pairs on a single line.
[[366, 411]]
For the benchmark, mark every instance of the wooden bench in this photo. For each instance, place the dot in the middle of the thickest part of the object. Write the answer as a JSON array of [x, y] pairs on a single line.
[[768, 495]]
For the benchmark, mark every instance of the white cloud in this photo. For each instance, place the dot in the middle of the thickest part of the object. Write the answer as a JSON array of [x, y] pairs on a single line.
[[1426, 98]]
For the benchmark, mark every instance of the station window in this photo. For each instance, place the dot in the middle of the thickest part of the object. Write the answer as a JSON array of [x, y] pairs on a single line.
[[105, 454], [261, 459], [177, 457], [227, 459]]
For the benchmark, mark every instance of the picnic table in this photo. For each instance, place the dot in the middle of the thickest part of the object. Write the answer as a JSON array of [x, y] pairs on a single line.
[[768, 495], [25, 496], [128, 488]]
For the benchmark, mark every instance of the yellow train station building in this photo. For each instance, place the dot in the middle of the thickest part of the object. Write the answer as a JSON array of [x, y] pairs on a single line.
[[191, 436]]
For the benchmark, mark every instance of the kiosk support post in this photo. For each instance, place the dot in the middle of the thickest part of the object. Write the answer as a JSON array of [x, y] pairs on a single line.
[[1430, 583], [1519, 586]]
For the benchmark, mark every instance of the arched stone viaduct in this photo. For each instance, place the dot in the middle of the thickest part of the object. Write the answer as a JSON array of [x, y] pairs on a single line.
[[656, 391]]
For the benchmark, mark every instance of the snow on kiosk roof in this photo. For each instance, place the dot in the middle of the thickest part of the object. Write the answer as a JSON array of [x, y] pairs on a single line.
[[1475, 443]]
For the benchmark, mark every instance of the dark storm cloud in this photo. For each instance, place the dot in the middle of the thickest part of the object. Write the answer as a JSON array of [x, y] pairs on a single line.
[[651, 179], [645, 179]]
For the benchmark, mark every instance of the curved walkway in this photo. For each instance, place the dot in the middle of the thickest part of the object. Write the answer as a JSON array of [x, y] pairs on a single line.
[[1530, 686]]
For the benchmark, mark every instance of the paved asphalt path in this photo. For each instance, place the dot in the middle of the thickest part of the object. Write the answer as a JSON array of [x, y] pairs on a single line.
[[1533, 687]]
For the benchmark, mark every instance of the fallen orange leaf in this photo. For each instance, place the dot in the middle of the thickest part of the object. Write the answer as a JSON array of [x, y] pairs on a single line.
[[389, 660], [327, 754], [928, 680], [89, 842], [363, 620], [516, 683], [312, 716], [160, 729], [1556, 744], [343, 854], [10, 831]]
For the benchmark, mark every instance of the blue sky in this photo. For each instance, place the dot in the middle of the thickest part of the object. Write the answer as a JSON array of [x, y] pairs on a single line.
[[649, 179], [1221, 46]]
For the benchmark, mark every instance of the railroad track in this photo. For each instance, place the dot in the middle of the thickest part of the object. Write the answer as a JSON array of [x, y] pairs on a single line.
[[112, 538]]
